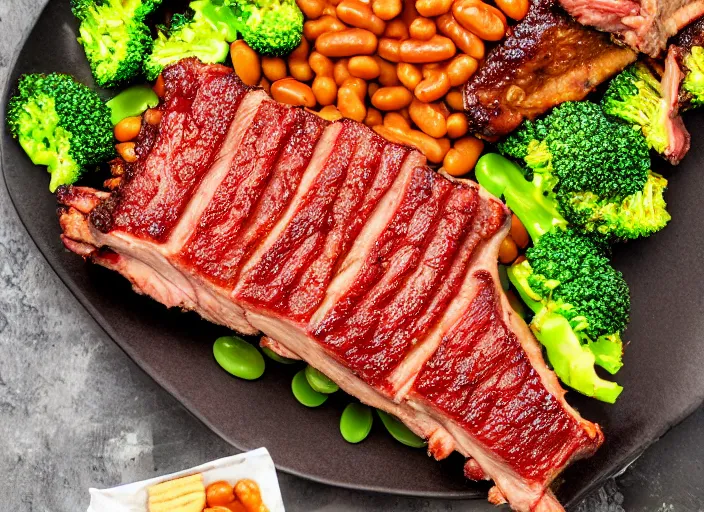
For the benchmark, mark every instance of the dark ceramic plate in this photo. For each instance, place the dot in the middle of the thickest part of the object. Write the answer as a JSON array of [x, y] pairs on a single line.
[[663, 375]]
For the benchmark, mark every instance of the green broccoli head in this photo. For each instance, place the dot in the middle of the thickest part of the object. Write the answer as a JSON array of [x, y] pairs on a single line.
[[594, 169], [638, 215], [205, 32], [62, 124], [581, 305], [693, 82], [271, 27], [114, 36]]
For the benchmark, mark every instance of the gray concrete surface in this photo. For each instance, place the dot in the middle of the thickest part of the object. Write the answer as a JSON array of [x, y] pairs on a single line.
[[75, 412]]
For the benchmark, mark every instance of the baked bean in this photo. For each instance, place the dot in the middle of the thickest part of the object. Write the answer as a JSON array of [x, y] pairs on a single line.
[[320, 64], [409, 75], [455, 100], [397, 120], [430, 68], [508, 250], [293, 92], [128, 128], [346, 43], [246, 62], [311, 9], [325, 90], [300, 70], [396, 29], [152, 116], [248, 493], [428, 117], [463, 156], [219, 493], [360, 15], [330, 10], [330, 113], [358, 85], [465, 40], [265, 84], [274, 68], [364, 67], [387, 73], [126, 151], [422, 29], [460, 69], [481, 19], [340, 71], [373, 117], [516, 9], [387, 9], [432, 8], [159, 86], [334, 2], [313, 29], [350, 105], [389, 49], [392, 98], [436, 49], [456, 125], [432, 88], [301, 51], [433, 149], [518, 232]]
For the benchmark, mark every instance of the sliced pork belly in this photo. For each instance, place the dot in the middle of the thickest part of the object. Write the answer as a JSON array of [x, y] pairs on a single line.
[[346, 251]]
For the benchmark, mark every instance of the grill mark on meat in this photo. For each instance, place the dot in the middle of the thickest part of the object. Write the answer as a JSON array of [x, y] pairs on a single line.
[[546, 60], [480, 376], [226, 235], [193, 126], [440, 234]]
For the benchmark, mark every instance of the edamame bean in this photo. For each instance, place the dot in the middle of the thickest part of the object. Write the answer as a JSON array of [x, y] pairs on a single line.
[[304, 393], [238, 357], [132, 102], [399, 431], [356, 423], [319, 381], [276, 357]]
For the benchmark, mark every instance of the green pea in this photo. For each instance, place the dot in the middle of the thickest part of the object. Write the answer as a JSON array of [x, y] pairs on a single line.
[[132, 102], [319, 381], [304, 393], [356, 423], [399, 431], [276, 357], [238, 357]]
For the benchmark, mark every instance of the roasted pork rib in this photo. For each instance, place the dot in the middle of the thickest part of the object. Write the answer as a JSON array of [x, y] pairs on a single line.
[[346, 251], [546, 59], [645, 25]]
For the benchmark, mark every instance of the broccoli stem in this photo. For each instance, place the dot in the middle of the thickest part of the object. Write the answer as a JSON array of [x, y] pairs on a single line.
[[572, 361], [501, 177]]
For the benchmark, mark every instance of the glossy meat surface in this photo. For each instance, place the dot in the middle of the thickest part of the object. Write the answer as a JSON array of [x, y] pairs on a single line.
[[347, 251], [481, 378], [547, 60]]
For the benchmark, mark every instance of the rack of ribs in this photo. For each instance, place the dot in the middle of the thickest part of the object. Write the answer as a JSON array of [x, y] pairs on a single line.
[[344, 250]]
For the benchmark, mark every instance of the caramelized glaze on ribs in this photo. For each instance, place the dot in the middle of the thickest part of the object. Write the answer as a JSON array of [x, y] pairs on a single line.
[[346, 251], [546, 60]]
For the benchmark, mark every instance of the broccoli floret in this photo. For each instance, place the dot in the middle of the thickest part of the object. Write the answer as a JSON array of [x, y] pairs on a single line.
[[693, 82], [596, 170], [114, 36], [635, 96], [62, 124], [205, 32], [580, 302], [271, 27]]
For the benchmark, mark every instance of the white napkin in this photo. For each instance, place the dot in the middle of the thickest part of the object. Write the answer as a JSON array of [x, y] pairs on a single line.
[[256, 465]]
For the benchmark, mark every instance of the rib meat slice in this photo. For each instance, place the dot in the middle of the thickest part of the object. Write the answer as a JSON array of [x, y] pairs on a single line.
[[546, 60], [347, 251], [645, 25]]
